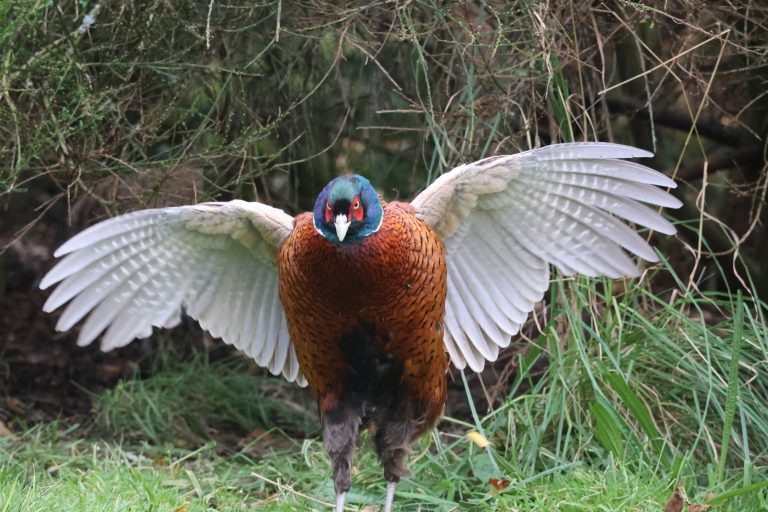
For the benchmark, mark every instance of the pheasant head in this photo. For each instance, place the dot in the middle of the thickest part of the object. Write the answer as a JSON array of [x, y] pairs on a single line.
[[347, 210]]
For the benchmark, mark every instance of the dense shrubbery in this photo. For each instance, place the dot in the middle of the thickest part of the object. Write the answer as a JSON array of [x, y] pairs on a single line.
[[161, 102]]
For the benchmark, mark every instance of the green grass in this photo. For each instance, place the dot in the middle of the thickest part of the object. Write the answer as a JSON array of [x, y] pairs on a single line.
[[641, 395], [188, 401]]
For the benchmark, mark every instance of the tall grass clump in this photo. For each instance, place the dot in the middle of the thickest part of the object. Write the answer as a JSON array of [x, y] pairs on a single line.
[[190, 401], [666, 386]]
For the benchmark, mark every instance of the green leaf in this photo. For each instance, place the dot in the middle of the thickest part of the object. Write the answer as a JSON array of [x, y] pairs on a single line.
[[609, 427]]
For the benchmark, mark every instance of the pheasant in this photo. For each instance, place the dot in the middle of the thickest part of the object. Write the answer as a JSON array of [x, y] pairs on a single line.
[[366, 301]]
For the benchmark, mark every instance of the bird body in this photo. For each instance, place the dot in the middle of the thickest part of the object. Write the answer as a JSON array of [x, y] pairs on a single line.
[[365, 319], [366, 301], [391, 285]]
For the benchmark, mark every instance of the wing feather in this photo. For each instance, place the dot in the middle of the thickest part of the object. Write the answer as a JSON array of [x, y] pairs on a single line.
[[249, 327], [216, 260], [207, 281], [237, 300], [486, 332], [505, 219], [508, 307], [130, 224], [107, 295], [456, 317], [611, 200], [262, 324], [280, 353], [272, 324], [489, 304], [585, 234], [84, 264], [515, 264]]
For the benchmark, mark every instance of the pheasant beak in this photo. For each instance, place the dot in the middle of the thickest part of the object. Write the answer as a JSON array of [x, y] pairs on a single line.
[[342, 225]]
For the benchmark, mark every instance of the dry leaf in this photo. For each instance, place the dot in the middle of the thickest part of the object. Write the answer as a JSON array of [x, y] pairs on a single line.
[[478, 438], [676, 502], [499, 483], [15, 405], [4, 430], [257, 433]]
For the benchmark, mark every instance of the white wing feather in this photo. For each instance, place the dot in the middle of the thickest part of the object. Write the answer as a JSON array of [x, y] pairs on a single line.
[[216, 260], [505, 219]]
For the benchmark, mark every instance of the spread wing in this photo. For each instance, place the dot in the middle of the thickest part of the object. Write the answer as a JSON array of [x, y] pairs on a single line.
[[505, 219], [216, 260]]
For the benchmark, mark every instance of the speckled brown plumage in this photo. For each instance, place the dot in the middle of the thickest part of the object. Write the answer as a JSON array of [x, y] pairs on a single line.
[[387, 291]]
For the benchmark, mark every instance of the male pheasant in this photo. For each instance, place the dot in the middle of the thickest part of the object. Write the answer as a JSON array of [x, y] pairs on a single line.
[[366, 301]]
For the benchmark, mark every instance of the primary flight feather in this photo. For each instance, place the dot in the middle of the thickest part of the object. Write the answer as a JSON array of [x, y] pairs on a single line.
[[362, 300]]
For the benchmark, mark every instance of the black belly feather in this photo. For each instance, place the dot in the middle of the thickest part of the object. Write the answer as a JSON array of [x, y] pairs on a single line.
[[373, 396]]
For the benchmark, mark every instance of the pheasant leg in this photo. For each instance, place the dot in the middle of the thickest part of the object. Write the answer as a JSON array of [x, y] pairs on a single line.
[[340, 501], [390, 496], [340, 428]]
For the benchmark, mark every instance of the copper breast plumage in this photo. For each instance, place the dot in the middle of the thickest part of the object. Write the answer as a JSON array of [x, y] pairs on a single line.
[[392, 284]]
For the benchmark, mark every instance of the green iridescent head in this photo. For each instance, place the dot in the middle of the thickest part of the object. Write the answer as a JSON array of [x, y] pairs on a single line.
[[347, 210]]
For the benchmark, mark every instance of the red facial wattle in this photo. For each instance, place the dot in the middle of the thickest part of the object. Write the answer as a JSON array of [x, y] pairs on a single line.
[[328, 211], [355, 210]]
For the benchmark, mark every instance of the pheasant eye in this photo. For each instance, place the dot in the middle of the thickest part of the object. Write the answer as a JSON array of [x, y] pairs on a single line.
[[328, 205], [355, 210]]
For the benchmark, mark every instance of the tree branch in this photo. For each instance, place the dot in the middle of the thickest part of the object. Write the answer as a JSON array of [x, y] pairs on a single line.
[[709, 128]]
